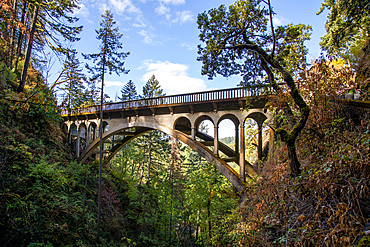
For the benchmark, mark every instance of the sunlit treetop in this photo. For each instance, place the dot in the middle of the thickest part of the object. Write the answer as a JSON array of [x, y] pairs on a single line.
[[348, 21], [229, 35]]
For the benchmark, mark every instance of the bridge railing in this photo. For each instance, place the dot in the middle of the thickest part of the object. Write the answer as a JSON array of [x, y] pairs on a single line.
[[208, 96]]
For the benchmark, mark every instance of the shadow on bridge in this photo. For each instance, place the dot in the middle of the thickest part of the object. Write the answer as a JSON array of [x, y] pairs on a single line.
[[201, 147]]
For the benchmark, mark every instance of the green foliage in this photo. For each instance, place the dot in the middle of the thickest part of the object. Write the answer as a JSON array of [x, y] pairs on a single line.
[[128, 92], [109, 59], [346, 28], [235, 37], [71, 83], [46, 199], [7, 77], [152, 88]]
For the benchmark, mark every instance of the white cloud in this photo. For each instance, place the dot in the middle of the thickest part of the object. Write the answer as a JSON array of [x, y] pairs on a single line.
[[173, 77], [82, 10], [148, 37], [278, 21], [161, 10], [190, 47], [114, 83], [174, 2], [103, 7], [124, 6], [139, 21], [183, 16]]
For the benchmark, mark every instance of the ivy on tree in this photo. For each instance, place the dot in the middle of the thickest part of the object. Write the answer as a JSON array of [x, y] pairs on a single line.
[[237, 40], [108, 59]]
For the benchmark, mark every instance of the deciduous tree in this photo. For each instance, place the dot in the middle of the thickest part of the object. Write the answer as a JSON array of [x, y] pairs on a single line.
[[237, 41], [348, 35]]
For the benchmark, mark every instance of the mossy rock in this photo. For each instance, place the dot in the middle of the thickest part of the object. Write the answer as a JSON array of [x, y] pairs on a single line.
[[365, 241]]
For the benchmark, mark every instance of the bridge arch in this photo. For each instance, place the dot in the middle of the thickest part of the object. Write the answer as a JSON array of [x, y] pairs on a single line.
[[235, 120], [202, 118], [260, 118], [144, 127], [72, 132], [81, 138], [183, 124], [92, 132], [231, 117]]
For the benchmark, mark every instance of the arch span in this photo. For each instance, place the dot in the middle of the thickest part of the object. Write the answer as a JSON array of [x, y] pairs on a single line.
[[143, 127]]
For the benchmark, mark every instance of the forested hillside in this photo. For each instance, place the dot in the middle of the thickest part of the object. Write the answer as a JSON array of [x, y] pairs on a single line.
[[313, 183]]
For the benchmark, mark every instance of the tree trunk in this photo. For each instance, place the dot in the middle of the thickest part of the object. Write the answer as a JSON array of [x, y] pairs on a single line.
[[20, 37], [11, 43], [288, 137], [295, 166], [149, 156], [101, 143], [28, 53]]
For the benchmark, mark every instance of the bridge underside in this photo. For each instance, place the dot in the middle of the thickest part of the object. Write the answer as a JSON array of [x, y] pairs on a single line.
[[178, 116], [199, 146]]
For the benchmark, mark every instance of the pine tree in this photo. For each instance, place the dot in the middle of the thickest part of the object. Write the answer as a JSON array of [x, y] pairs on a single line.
[[128, 92], [50, 26], [152, 88], [109, 59], [72, 81]]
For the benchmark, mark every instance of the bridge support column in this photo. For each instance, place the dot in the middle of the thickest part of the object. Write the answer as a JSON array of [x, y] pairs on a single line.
[[236, 140], [215, 141], [242, 154], [193, 133], [259, 148], [78, 144]]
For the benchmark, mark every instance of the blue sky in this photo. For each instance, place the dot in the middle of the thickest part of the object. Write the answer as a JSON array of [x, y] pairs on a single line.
[[162, 37]]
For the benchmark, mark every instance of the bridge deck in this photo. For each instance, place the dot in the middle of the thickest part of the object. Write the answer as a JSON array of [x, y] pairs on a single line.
[[208, 99]]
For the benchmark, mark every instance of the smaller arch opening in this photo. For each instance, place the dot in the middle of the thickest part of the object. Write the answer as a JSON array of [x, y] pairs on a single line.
[[105, 127], [183, 124], [92, 132], [204, 124], [257, 138], [73, 136], [82, 134]]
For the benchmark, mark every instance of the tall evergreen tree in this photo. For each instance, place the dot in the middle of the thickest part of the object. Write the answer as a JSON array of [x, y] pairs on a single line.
[[72, 81], [50, 26], [108, 59], [150, 90], [128, 92]]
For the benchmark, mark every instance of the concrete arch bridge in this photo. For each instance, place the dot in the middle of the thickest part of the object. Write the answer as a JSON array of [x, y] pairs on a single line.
[[178, 116]]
